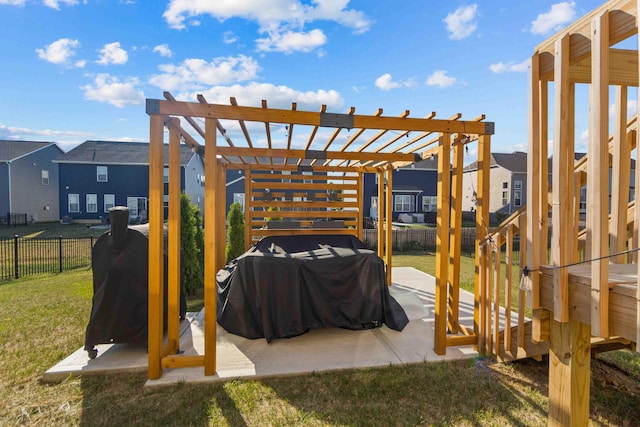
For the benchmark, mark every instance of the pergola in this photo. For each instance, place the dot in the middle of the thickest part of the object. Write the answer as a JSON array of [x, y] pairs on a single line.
[[326, 179]]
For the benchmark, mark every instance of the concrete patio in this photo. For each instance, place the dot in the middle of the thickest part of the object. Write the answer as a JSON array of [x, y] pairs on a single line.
[[318, 350]]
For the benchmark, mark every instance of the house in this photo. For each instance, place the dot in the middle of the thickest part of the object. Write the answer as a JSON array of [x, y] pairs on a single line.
[[28, 181], [508, 188], [97, 175], [414, 192]]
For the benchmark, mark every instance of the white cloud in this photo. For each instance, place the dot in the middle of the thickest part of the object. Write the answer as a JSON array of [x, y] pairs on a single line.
[[59, 51], [291, 41], [440, 78], [112, 53], [163, 50], [55, 4], [80, 63], [229, 37], [461, 22], [512, 66], [632, 109], [13, 2], [559, 15], [110, 89], [282, 20], [10, 132], [385, 82], [195, 73], [252, 94]]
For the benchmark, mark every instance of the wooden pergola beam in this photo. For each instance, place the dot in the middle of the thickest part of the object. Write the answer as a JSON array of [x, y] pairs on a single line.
[[316, 154], [348, 121]]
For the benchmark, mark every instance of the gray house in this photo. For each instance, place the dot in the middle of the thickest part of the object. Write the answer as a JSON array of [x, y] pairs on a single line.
[[29, 181], [508, 183]]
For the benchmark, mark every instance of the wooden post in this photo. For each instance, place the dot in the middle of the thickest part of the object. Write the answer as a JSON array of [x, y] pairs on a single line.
[[173, 246], [636, 219], [248, 207], [621, 175], [442, 243], [563, 158], [360, 200], [532, 233], [497, 291], [507, 287], [569, 373], [482, 218], [388, 225], [211, 240], [221, 196], [381, 212], [456, 236], [156, 261], [598, 175]]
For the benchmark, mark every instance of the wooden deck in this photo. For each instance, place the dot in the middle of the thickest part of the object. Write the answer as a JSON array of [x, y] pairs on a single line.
[[623, 282]]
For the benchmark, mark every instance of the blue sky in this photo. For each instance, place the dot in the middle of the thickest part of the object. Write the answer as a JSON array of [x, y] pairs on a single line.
[[75, 70]]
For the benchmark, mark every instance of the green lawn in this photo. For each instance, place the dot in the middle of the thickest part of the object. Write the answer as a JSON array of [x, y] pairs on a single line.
[[43, 319]]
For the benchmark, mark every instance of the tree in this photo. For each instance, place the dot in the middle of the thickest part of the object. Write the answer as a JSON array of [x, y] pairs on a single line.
[[191, 258], [235, 232]]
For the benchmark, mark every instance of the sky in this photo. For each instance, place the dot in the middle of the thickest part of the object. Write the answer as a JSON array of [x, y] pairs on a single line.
[[76, 70]]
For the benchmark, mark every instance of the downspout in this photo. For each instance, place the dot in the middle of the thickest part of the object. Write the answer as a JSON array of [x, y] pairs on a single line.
[[9, 178]]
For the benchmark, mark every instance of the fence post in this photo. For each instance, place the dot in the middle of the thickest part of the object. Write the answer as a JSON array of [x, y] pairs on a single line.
[[15, 256], [91, 250], [60, 252]]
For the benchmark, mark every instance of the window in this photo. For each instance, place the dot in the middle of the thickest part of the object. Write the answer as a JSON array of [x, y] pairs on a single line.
[[517, 184], [286, 179], [45, 177], [403, 203], [166, 200], [109, 201], [517, 197], [583, 199], [102, 174], [505, 185], [73, 202], [239, 198], [307, 181], [429, 203], [92, 203], [505, 198], [166, 175]]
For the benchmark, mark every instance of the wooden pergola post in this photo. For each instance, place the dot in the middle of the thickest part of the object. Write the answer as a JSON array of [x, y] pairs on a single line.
[[388, 222], [156, 261], [173, 247], [482, 221], [381, 211], [211, 241], [456, 235], [442, 243]]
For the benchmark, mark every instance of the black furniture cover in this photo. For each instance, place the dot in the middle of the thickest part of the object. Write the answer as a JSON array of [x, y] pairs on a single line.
[[119, 311], [286, 285]]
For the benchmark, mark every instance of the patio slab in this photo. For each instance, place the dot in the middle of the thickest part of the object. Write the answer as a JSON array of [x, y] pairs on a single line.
[[319, 350]]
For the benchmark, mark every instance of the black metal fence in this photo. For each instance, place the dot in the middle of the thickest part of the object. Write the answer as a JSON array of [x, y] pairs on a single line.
[[20, 256]]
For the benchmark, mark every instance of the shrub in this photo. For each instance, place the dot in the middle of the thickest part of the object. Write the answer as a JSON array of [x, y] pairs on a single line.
[[191, 256], [235, 232]]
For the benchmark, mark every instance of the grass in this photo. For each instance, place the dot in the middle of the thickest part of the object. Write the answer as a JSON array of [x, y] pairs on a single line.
[[43, 319]]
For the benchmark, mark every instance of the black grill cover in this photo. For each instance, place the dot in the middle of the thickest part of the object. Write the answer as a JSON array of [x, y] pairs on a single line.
[[119, 311], [286, 285]]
